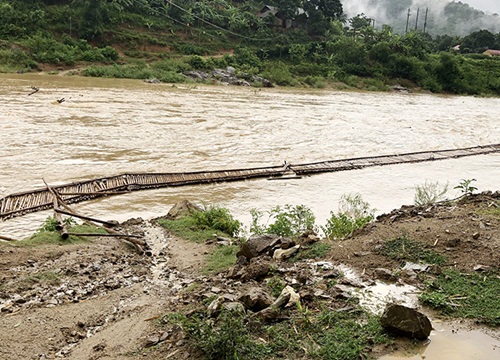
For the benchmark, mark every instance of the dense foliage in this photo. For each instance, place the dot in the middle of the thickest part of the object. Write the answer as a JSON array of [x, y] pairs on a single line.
[[290, 42]]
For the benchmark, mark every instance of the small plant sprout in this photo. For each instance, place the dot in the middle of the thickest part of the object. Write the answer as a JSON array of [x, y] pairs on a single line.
[[465, 187], [429, 193]]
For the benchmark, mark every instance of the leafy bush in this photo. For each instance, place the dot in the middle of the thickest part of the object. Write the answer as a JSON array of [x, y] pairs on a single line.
[[226, 338], [354, 213], [429, 193], [217, 218], [287, 221]]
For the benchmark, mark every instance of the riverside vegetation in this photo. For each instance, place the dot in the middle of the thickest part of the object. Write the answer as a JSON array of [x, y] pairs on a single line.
[[165, 39]]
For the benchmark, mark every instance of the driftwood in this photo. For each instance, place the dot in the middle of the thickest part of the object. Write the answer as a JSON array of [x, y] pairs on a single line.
[[61, 226], [110, 223], [139, 244], [35, 90], [103, 235], [6, 238]]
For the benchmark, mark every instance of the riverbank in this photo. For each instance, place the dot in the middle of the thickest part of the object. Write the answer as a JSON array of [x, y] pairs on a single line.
[[100, 299]]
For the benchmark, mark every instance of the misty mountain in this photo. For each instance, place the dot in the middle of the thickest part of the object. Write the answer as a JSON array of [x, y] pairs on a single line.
[[443, 16]]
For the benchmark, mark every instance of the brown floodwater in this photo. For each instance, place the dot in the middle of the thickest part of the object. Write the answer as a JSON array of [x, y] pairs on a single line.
[[107, 127]]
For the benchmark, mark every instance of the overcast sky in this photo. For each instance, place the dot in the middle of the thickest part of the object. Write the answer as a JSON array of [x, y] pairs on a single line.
[[492, 6]]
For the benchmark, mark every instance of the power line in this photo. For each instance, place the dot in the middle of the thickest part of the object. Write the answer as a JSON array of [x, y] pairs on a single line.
[[217, 26]]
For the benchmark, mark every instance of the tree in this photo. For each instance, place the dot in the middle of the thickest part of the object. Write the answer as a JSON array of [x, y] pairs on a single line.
[[478, 41], [331, 9]]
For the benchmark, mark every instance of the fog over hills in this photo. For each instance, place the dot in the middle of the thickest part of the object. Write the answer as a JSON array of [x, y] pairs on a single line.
[[444, 16]]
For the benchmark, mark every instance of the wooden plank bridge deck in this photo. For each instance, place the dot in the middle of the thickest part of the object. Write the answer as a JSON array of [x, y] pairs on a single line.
[[41, 199]]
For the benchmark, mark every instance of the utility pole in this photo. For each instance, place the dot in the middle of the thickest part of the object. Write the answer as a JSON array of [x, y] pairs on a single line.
[[416, 22], [425, 21], [407, 20]]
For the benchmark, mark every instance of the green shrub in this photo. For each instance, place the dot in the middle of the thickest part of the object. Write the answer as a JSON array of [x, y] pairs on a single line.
[[354, 213], [217, 218], [225, 338], [287, 221], [197, 62], [278, 73]]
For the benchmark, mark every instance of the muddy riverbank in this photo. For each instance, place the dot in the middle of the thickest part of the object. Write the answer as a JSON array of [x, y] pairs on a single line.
[[100, 299]]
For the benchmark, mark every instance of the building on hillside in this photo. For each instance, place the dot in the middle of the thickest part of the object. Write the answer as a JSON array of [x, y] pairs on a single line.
[[282, 21], [492, 53]]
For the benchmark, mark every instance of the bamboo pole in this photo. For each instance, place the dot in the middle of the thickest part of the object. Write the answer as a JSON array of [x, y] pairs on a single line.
[[110, 223], [6, 238]]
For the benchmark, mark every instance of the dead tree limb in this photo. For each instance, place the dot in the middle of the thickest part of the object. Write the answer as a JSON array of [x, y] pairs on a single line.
[[111, 223], [35, 90], [139, 244], [6, 238], [61, 226], [104, 235]]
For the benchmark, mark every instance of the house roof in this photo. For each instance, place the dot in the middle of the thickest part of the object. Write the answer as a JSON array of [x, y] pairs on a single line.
[[492, 52]]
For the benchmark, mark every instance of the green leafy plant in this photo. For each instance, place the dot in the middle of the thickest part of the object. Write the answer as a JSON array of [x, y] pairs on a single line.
[[276, 285], [224, 338], [200, 226], [465, 187], [429, 193], [354, 213], [285, 220], [217, 218], [51, 224]]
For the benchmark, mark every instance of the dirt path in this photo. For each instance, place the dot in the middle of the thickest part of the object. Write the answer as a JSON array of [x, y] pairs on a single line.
[[95, 300]]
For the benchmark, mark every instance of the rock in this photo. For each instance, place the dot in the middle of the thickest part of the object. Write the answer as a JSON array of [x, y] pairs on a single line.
[[415, 267], [234, 307], [281, 254], [256, 299], [384, 274], [257, 269], [258, 244], [152, 81], [215, 306], [400, 88], [476, 235], [483, 268], [182, 209], [405, 321], [287, 293]]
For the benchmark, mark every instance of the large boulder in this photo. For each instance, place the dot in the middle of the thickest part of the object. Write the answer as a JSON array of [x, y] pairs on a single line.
[[181, 209], [405, 321], [259, 245]]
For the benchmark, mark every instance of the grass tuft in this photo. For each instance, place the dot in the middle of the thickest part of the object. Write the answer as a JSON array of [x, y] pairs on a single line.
[[464, 295]]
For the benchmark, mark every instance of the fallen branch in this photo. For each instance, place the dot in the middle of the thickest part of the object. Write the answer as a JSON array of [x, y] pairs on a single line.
[[6, 238], [104, 235], [35, 90], [61, 226], [72, 213], [139, 244]]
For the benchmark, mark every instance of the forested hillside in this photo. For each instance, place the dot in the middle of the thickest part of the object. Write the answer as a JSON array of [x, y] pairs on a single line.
[[290, 42]]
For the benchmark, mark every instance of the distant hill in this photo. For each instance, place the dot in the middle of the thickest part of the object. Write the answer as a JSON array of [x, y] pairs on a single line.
[[444, 17]]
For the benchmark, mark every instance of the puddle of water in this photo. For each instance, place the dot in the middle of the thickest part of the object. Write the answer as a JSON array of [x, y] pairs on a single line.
[[445, 343]]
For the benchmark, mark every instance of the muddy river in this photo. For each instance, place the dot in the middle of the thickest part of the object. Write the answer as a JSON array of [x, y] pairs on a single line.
[[107, 127]]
